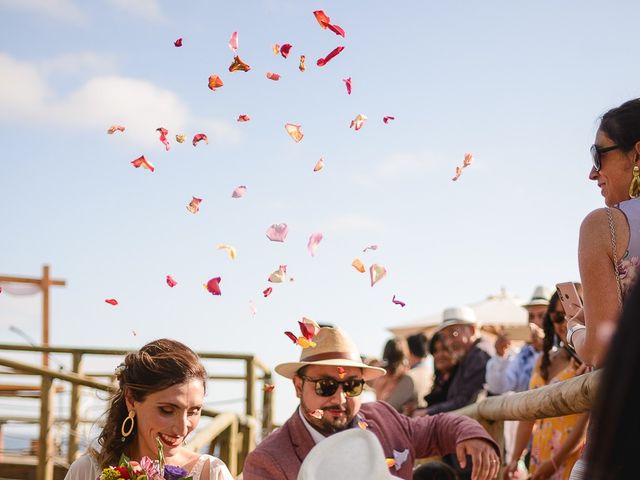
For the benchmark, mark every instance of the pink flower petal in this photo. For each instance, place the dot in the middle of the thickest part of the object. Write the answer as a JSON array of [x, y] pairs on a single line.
[[347, 83], [377, 272], [198, 137], [213, 286], [194, 205], [163, 137], [233, 42], [273, 76], [314, 240], [112, 301], [267, 291], [141, 161], [277, 232], [115, 128], [468, 159], [252, 308], [239, 191], [319, 165], [398, 302], [387, 118], [171, 282]]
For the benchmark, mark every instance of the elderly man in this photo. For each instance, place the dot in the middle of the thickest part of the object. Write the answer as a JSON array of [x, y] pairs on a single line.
[[471, 353], [328, 380]]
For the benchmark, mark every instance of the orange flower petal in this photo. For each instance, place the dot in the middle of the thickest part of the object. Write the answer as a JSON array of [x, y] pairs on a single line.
[[143, 162], [358, 265], [194, 205], [115, 128], [238, 65], [215, 82], [319, 165], [294, 131], [301, 66]]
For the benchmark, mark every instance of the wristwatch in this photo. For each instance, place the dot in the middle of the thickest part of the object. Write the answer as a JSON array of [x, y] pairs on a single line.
[[570, 333]]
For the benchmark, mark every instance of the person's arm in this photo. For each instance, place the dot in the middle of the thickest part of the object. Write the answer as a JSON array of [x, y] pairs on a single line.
[[496, 376], [600, 292], [262, 466], [523, 434], [467, 383]]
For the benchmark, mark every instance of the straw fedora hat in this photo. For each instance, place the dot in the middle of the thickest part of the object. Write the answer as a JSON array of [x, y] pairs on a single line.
[[541, 296], [353, 454], [333, 347], [457, 316]]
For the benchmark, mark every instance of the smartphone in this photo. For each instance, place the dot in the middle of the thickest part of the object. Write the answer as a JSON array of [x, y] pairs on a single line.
[[569, 297]]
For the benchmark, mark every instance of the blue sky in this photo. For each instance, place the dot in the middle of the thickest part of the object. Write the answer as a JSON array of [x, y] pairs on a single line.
[[519, 84]]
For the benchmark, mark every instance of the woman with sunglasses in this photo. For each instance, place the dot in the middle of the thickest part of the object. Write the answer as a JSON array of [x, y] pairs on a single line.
[[557, 441], [609, 246]]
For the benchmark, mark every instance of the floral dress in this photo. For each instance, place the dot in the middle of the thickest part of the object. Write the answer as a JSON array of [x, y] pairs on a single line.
[[551, 433]]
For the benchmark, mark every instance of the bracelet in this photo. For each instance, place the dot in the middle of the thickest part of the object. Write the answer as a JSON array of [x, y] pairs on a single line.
[[570, 333], [555, 467]]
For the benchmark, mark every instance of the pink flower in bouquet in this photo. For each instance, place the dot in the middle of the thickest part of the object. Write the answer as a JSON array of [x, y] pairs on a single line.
[[149, 466]]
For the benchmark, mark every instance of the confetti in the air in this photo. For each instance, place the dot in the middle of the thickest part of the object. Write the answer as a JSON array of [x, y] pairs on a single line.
[[233, 42], [194, 205], [268, 388], [317, 413], [314, 240], [294, 131], [468, 160], [238, 65], [252, 308], [309, 329], [377, 272], [111, 301], [244, 118], [285, 49], [398, 302], [239, 191], [276, 48], [267, 291], [279, 275], [358, 122], [171, 282], [387, 118], [215, 82], [347, 83], [181, 137], [115, 128], [198, 137], [213, 286], [325, 22], [341, 372], [319, 165], [163, 137], [141, 161], [278, 232], [273, 76], [370, 247], [358, 265], [323, 61], [301, 66], [362, 424], [231, 251], [178, 42]]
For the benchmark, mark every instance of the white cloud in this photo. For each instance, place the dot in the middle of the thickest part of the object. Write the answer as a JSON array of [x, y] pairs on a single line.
[[352, 222], [147, 9], [73, 64], [65, 10], [100, 102]]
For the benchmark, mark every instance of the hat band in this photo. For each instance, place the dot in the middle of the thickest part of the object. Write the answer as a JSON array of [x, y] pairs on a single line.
[[332, 356]]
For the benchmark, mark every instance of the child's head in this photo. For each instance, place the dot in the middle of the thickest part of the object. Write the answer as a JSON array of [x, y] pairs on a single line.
[[434, 471]]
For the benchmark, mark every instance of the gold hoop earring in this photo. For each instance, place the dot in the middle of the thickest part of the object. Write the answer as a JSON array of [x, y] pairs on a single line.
[[123, 429], [634, 188]]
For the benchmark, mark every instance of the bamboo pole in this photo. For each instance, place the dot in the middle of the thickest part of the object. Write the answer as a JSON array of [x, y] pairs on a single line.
[[74, 414], [45, 445]]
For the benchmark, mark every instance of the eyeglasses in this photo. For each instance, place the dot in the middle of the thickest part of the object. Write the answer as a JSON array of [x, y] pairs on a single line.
[[597, 152], [557, 317], [326, 387]]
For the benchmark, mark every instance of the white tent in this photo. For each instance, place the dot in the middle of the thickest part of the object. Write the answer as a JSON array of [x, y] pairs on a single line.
[[498, 312]]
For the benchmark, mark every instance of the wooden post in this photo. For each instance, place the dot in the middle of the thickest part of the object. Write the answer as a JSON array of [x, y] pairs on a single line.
[[250, 391], [45, 313], [74, 415], [248, 438], [267, 407], [229, 448], [45, 447]]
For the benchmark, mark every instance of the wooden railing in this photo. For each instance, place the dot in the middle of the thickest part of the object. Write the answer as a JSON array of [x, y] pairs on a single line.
[[234, 433]]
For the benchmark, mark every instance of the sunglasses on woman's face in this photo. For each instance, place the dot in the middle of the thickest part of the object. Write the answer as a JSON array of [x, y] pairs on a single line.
[[597, 152], [326, 387]]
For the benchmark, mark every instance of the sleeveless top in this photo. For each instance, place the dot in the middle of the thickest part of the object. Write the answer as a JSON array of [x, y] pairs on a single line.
[[629, 265], [86, 468]]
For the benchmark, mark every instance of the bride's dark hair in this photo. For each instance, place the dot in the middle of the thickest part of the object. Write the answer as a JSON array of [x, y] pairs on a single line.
[[156, 366]]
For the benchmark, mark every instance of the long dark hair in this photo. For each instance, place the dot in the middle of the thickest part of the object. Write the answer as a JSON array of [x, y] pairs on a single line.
[[550, 338], [156, 366], [394, 355], [615, 415], [622, 124]]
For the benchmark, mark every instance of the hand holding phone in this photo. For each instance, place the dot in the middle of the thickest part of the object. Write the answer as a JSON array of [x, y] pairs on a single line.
[[569, 298]]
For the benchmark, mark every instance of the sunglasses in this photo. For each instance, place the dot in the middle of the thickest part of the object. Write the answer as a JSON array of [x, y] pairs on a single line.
[[326, 387], [557, 317], [597, 152]]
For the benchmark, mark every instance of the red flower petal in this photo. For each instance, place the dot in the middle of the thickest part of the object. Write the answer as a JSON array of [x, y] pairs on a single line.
[[322, 18], [163, 137], [213, 286], [347, 83], [336, 29], [171, 282], [244, 118], [143, 162], [305, 332], [178, 42], [285, 49], [112, 301], [198, 137], [267, 292], [398, 302], [323, 61], [273, 76], [293, 338], [387, 118], [238, 65], [268, 388]]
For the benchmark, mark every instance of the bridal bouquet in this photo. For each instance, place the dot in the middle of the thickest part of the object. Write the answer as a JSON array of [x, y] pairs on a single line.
[[145, 469]]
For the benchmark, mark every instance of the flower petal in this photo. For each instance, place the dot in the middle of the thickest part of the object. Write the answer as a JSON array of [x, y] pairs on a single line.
[[163, 137], [273, 76], [387, 118], [301, 66], [178, 42], [347, 83], [370, 247], [323, 61], [215, 82], [180, 138], [239, 191], [278, 232], [115, 128], [358, 122], [238, 65], [144, 163], [194, 205], [171, 282], [358, 265], [294, 131], [377, 272], [233, 42], [319, 165], [267, 291], [244, 118], [285, 49], [231, 251], [213, 286], [398, 302], [111, 301], [279, 275], [314, 240], [199, 137]]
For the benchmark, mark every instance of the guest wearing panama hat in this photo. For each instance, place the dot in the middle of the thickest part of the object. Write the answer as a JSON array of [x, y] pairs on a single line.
[[329, 379], [537, 306]]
